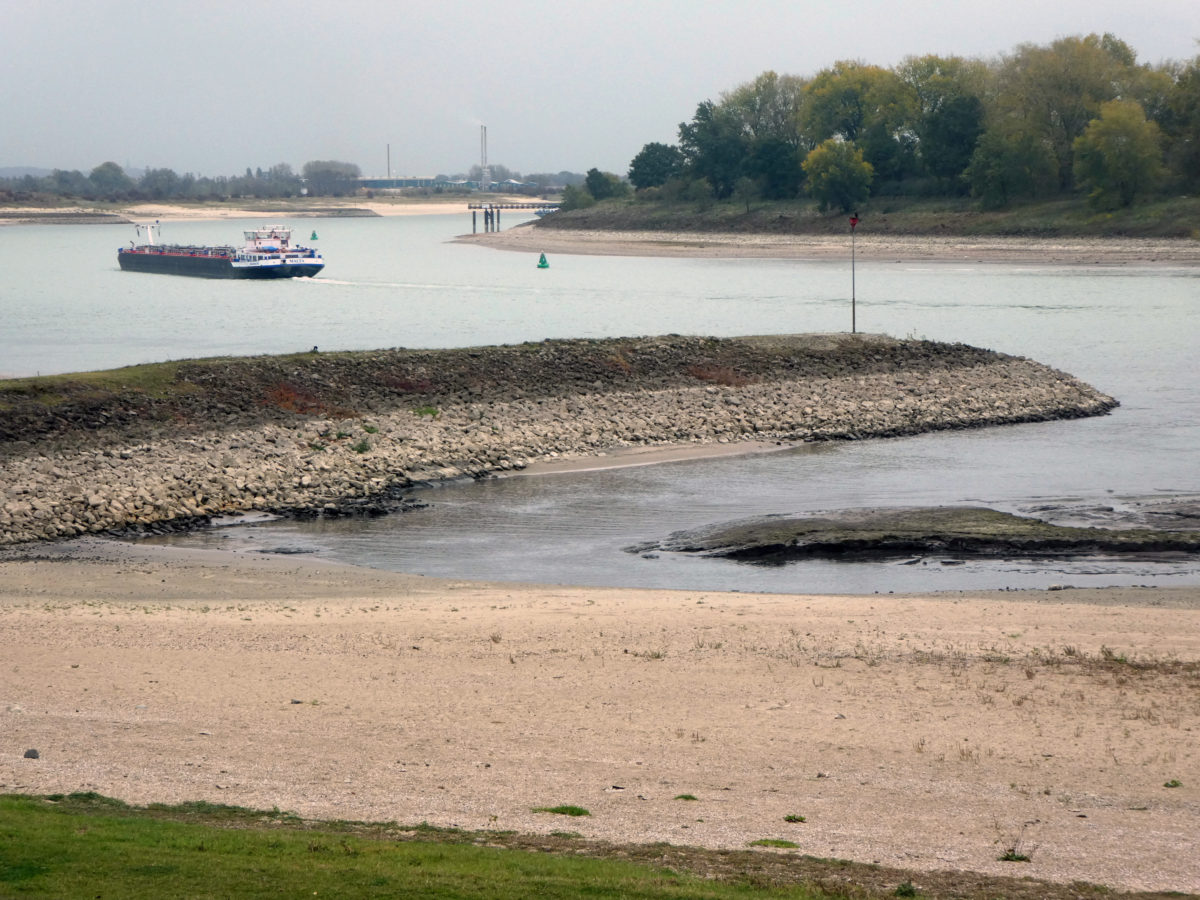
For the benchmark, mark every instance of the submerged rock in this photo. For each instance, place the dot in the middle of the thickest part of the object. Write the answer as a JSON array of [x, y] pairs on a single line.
[[901, 533]]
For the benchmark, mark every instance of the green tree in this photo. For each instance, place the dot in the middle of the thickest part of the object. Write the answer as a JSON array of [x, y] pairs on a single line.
[[603, 185], [714, 147], [330, 178], [654, 165], [70, 184], [159, 184], [576, 196], [746, 190], [949, 111], [1054, 92], [767, 108], [282, 181], [110, 181], [775, 166], [869, 107], [838, 175], [1119, 155], [1181, 124], [1007, 166]]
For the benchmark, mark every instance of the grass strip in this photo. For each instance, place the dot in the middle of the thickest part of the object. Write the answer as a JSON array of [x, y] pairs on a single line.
[[87, 845]]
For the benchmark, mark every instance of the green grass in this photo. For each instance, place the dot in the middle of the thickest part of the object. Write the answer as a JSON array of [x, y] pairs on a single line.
[[774, 842], [85, 845], [563, 810], [89, 846]]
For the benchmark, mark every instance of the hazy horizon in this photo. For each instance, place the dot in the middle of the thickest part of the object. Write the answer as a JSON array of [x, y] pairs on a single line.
[[218, 87]]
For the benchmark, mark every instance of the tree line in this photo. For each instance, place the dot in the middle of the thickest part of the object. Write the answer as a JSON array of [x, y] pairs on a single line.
[[320, 178], [1080, 115], [109, 182]]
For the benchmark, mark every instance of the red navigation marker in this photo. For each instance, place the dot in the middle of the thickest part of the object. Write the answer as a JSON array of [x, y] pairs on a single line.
[[853, 222]]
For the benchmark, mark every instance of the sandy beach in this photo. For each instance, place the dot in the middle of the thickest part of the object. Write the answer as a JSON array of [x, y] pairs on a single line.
[[869, 247], [928, 733]]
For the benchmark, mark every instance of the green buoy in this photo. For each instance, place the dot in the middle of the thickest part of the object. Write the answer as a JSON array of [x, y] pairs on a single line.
[[314, 237], [542, 264]]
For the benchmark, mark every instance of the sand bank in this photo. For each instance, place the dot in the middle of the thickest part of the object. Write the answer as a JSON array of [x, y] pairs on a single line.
[[877, 248], [928, 733]]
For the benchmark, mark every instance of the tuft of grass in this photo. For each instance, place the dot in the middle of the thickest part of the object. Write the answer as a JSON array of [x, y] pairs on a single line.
[[1173, 783], [794, 818], [905, 889], [774, 842], [421, 411], [1012, 854], [563, 810], [361, 447], [686, 797]]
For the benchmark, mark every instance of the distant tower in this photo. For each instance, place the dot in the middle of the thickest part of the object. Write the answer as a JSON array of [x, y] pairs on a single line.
[[485, 179]]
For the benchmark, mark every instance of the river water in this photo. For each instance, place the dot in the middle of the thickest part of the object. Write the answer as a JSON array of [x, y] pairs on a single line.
[[1131, 331]]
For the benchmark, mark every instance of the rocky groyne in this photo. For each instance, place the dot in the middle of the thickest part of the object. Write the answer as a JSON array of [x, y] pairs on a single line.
[[330, 434]]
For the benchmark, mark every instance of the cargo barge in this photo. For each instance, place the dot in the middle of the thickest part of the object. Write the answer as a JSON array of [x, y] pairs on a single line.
[[267, 253]]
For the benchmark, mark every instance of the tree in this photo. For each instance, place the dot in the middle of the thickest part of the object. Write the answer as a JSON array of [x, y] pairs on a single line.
[[950, 134], [869, 107], [1009, 165], [1182, 126], [714, 147], [746, 190], [838, 175], [576, 197], [330, 178], [159, 184], [603, 185], [110, 181], [1054, 92], [774, 165], [1119, 155], [70, 184], [654, 165], [282, 181], [767, 108], [948, 116]]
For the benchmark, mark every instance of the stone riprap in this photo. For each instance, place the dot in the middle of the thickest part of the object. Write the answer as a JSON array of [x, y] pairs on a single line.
[[472, 413]]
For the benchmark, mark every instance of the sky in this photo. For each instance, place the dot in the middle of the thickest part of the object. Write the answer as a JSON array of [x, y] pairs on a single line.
[[213, 87]]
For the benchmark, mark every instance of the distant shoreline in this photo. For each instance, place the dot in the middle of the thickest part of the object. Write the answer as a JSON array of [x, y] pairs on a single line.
[[126, 215], [869, 247], [529, 238]]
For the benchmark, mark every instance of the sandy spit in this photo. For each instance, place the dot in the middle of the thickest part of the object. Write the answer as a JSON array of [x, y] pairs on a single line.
[[925, 732], [868, 247]]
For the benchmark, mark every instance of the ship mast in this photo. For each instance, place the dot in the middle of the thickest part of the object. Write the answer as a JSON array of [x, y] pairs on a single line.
[[485, 180]]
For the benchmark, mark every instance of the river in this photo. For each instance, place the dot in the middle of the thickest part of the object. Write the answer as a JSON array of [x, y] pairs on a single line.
[[1131, 331]]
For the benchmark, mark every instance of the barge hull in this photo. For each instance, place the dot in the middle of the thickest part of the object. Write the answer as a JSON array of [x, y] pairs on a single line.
[[210, 267]]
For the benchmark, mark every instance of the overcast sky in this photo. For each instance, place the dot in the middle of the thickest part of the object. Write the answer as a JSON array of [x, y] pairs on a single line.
[[213, 87]]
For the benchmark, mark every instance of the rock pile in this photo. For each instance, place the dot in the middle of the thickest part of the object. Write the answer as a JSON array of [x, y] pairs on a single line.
[[329, 463]]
